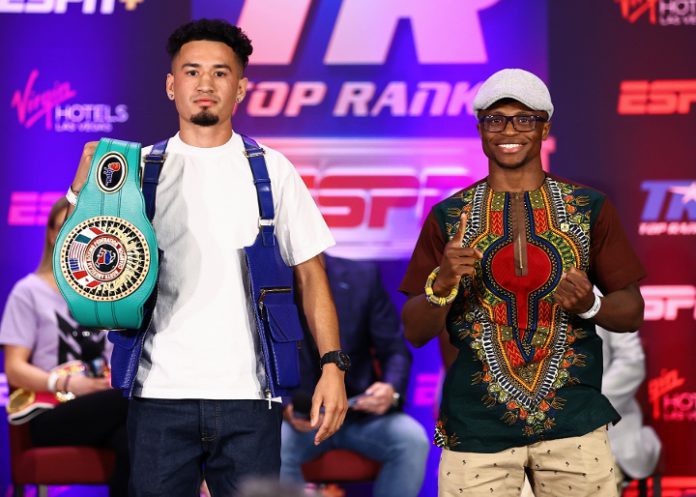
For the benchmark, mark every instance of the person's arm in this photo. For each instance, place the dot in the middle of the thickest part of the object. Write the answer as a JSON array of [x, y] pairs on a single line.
[[387, 338], [625, 370], [423, 321], [390, 349], [614, 268], [22, 374], [320, 312], [82, 172], [620, 311]]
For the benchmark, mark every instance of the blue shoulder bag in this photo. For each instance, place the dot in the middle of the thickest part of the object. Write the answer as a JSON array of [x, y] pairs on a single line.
[[271, 281]]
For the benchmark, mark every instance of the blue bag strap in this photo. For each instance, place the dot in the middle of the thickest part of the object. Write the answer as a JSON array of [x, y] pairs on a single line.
[[151, 173], [262, 182]]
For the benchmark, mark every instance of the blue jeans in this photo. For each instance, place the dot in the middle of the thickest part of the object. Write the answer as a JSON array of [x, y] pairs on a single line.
[[396, 440], [174, 444]]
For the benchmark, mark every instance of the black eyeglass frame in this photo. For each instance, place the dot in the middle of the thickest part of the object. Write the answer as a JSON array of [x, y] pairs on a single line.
[[512, 119]]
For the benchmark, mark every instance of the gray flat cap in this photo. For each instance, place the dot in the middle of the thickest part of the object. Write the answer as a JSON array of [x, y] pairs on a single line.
[[516, 84]]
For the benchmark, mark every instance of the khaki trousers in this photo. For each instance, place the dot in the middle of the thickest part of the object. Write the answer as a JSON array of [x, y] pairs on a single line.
[[568, 467]]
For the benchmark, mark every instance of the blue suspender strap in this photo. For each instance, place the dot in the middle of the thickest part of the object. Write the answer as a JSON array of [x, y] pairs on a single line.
[[262, 182], [151, 173]]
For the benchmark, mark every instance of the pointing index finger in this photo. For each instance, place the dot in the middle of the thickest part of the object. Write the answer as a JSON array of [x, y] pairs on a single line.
[[459, 235]]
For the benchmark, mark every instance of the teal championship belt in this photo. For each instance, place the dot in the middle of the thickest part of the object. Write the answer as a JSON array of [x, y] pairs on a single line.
[[106, 260]]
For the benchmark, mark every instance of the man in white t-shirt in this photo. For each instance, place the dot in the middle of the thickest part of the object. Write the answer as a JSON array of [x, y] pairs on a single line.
[[198, 408]]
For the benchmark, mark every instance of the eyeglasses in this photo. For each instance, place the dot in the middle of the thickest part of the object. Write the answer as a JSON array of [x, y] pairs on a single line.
[[497, 123]]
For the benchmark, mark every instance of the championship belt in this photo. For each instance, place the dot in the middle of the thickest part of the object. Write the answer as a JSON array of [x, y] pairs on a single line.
[[105, 260]]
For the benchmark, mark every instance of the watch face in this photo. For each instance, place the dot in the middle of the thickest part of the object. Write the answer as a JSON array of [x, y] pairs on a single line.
[[343, 361], [339, 358]]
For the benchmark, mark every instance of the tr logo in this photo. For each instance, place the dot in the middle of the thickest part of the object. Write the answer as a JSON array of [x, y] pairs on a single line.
[[364, 30]]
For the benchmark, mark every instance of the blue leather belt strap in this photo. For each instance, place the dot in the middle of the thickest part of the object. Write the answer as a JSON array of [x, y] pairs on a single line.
[[271, 288], [262, 182], [151, 173]]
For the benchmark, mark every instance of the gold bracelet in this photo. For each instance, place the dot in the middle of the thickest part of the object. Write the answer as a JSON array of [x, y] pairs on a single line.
[[434, 299]]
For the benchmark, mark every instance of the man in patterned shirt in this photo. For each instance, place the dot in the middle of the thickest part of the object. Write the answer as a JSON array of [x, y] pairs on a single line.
[[508, 266]]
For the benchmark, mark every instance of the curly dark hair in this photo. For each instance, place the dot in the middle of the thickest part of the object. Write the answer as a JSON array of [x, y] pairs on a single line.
[[212, 30]]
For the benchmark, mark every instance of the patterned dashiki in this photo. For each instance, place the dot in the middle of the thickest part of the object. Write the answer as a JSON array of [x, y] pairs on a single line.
[[526, 370]]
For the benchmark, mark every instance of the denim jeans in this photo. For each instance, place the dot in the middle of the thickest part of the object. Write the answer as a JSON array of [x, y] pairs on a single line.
[[174, 444], [396, 440]]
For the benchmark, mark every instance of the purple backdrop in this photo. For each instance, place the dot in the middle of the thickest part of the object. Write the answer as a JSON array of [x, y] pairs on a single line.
[[371, 101]]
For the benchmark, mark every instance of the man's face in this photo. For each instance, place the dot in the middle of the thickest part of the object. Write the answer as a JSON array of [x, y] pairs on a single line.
[[206, 81], [509, 148]]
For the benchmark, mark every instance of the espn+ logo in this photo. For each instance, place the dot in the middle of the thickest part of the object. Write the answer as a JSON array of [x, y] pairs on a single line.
[[61, 6]]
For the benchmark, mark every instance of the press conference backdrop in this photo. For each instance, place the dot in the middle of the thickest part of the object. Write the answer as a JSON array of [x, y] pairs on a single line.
[[371, 100]]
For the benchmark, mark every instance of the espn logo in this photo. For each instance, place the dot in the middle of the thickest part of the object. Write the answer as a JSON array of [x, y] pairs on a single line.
[[31, 208], [662, 96], [373, 193], [663, 302]]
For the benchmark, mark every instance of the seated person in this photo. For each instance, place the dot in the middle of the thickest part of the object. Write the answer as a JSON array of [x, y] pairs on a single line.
[[38, 334], [635, 447], [375, 426]]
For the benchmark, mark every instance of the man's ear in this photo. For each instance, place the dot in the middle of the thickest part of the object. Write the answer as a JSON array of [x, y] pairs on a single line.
[[546, 130], [242, 88], [169, 86]]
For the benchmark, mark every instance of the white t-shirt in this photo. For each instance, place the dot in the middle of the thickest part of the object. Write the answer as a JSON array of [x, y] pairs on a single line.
[[203, 340]]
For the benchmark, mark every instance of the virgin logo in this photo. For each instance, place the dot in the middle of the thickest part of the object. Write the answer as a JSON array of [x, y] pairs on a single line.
[[633, 9], [32, 106], [662, 385]]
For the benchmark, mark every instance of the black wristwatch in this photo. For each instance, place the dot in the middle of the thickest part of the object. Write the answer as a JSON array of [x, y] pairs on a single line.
[[338, 357]]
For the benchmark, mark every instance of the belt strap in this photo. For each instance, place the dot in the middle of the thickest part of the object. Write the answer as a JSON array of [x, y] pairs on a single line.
[[262, 182], [151, 173]]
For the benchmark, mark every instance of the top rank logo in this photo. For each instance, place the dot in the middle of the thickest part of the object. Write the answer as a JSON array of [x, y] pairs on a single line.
[[61, 6], [670, 208], [662, 12]]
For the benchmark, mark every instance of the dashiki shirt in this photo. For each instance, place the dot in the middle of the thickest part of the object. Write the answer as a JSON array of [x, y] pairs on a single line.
[[526, 370]]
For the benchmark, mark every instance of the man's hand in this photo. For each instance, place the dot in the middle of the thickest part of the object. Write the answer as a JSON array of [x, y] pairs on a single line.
[[83, 168], [330, 393], [574, 292], [456, 262], [82, 385], [299, 424], [378, 399]]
